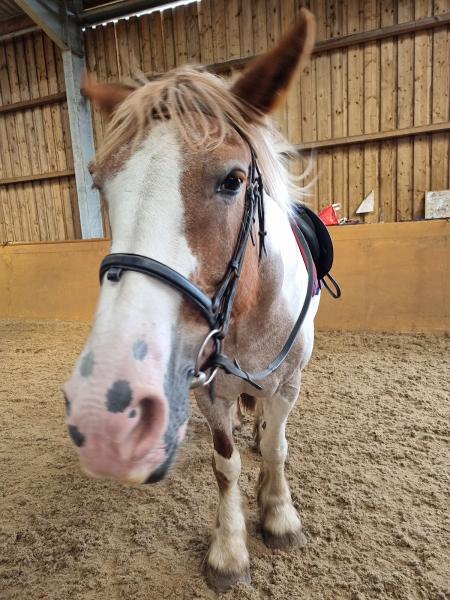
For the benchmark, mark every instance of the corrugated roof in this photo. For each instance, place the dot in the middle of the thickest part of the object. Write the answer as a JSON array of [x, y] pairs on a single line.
[[9, 9]]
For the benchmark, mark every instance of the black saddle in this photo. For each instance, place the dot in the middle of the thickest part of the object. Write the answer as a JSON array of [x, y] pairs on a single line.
[[319, 243]]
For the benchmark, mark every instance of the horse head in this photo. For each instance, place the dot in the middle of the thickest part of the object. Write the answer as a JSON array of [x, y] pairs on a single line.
[[174, 170]]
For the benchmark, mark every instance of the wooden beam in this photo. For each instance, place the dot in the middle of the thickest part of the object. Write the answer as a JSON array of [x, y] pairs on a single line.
[[39, 177], [374, 137], [57, 20], [347, 40], [14, 34], [28, 104], [16, 26], [230, 65], [82, 146], [373, 35]]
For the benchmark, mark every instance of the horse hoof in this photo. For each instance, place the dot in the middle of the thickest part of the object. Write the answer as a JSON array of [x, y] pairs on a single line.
[[221, 581], [291, 539]]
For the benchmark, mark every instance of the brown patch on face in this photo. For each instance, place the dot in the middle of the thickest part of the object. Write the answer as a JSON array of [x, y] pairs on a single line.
[[222, 481], [213, 221], [222, 443], [247, 295]]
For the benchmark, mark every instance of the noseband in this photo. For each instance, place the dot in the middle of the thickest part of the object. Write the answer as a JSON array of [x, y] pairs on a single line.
[[218, 310]]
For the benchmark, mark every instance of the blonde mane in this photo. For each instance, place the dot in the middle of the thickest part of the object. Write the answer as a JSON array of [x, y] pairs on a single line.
[[203, 109]]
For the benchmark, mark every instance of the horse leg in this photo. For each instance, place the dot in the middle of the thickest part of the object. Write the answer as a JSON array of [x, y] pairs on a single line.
[[227, 561], [281, 524]]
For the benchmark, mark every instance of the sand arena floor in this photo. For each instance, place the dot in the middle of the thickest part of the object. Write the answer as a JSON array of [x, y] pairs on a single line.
[[368, 469]]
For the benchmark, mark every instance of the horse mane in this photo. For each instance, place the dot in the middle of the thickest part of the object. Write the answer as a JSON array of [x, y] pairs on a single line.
[[203, 108]]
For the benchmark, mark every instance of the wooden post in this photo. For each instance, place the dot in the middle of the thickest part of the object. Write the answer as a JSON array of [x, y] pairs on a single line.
[[82, 146], [59, 21]]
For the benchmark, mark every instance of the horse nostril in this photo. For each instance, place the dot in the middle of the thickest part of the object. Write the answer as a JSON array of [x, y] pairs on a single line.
[[150, 415], [149, 412]]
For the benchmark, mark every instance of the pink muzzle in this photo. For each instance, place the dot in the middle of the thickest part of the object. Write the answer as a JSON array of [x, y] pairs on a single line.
[[119, 430]]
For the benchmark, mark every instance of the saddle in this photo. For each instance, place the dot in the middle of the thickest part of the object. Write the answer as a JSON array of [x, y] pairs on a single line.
[[320, 245]]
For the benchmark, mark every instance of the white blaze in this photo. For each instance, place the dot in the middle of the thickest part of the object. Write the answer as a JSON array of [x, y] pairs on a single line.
[[145, 204], [147, 217]]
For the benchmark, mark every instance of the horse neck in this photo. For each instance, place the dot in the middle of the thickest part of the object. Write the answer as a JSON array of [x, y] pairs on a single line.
[[275, 283]]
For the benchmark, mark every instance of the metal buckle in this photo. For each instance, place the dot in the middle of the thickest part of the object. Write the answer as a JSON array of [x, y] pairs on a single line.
[[201, 378]]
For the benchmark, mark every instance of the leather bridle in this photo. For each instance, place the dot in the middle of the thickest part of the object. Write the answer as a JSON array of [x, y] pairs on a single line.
[[217, 311]]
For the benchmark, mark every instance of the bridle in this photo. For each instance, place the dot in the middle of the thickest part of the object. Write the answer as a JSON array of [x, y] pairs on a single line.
[[218, 310]]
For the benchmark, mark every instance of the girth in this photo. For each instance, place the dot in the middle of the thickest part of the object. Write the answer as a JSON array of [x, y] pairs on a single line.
[[217, 311]]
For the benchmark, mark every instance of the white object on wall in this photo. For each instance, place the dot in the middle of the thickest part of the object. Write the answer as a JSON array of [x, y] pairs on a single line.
[[367, 205], [437, 205]]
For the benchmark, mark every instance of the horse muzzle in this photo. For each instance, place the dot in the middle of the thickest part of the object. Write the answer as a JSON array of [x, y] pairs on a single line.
[[121, 436]]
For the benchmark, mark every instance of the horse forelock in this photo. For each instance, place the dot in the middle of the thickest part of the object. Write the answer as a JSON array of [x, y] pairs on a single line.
[[203, 109]]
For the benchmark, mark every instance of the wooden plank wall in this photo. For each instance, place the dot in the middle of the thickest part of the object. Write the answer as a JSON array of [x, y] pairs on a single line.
[[36, 204], [378, 86], [362, 89]]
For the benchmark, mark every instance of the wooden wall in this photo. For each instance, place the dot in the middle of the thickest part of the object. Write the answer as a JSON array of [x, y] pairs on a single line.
[[398, 293], [373, 110], [37, 189]]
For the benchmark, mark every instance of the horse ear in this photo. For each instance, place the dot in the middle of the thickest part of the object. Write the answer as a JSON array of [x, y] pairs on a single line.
[[265, 82], [107, 96]]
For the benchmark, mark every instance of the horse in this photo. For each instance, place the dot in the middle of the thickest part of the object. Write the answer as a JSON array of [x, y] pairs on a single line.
[[204, 265]]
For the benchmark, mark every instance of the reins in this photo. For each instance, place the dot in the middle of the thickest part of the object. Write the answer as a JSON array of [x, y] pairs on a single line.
[[218, 310]]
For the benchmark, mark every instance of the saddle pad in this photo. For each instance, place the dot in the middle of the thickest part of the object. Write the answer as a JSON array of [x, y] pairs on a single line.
[[317, 237]]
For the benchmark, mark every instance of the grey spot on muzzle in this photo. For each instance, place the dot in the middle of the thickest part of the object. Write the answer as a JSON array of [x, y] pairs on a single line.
[[87, 364], [118, 397], [140, 350], [77, 437]]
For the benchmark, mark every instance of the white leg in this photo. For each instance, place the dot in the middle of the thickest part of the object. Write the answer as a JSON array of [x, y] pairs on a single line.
[[281, 524], [227, 561]]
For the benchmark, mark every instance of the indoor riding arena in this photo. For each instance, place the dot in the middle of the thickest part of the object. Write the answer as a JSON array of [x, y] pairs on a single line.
[[368, 463]]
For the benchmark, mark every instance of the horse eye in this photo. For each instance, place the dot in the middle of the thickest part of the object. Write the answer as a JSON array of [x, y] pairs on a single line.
[[231, 185]]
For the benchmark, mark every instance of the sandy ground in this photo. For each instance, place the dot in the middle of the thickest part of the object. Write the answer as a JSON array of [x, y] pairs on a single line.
[[368, 469]]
